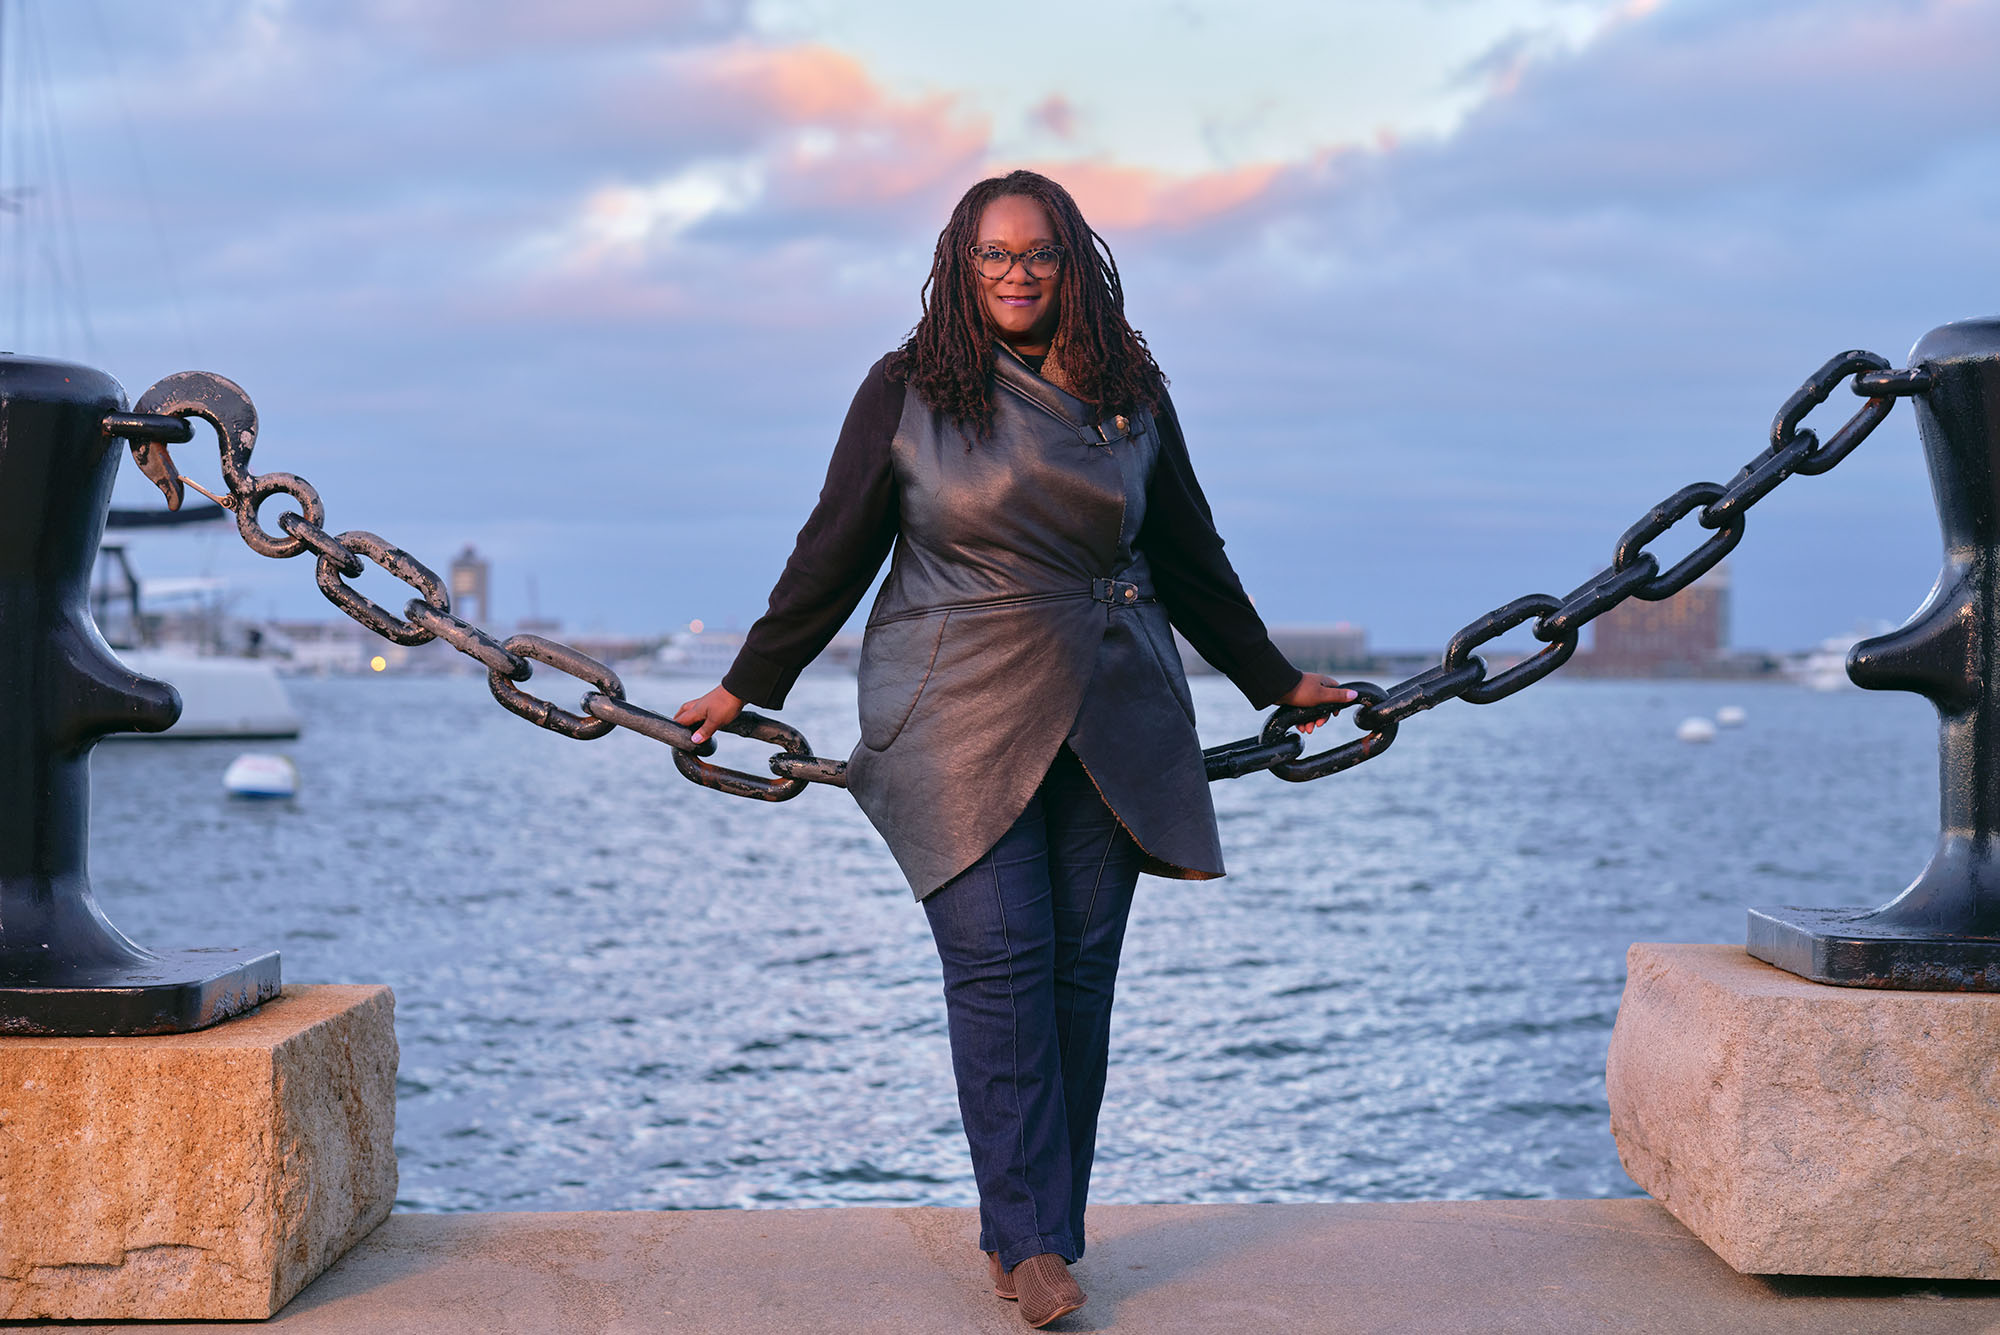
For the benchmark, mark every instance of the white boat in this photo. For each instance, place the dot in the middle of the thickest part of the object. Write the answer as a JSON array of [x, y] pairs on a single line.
[[259, 776], [1695, 730], [695, 654], [220, 697], [1824, 668]]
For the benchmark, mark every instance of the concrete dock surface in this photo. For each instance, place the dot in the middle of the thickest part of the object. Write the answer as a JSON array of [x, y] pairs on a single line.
[[1478, 1266]]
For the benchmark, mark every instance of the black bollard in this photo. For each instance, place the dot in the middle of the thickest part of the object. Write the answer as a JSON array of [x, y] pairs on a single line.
[[1943, 932], [64, 969]]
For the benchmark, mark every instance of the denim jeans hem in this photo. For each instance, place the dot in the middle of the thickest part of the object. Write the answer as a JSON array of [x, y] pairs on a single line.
[[1058, 1243], [1076, 1239]]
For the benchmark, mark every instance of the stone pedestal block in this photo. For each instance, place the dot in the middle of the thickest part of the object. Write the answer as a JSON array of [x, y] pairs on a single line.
[[1798, 1128], [207, 1175]]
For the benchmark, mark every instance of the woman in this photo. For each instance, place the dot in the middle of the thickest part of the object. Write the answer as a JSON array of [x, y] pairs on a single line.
[[1027, 738]]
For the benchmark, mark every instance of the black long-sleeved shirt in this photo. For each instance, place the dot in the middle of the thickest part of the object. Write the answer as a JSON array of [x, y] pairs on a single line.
[[852, 528]]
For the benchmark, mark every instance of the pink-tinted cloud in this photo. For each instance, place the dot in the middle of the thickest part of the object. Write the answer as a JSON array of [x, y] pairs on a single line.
[[887, 151], [826, 136], [850, 144], [804, 84], [1055, 115], [1116, 196], [820, 129]]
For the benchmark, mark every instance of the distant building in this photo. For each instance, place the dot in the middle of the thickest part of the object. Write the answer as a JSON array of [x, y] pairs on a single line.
[[1340, 647], [325, 646], [704, 654], [1335, 648], [471, 581], [1682, 636], [842, 652], [610, 648]]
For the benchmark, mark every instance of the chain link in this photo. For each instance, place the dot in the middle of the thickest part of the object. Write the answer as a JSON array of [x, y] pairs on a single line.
[[392, 559], [1634, 572], [162, 416], [793, 751], [1524, 673], [1339, 758], [582, 727]]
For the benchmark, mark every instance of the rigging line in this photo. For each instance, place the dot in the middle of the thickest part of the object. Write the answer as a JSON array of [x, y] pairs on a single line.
[[13, 205], [75, 302], [21, 193], [168, 270], [27, 198], [44, 317], [40, 318], [34, 196]]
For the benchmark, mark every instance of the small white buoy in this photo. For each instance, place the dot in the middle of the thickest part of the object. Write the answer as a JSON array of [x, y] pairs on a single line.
[[1730, 716], [259, 774], [1695, 730]]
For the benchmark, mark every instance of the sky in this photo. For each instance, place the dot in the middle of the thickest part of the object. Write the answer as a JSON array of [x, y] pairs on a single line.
[[1449, 291]]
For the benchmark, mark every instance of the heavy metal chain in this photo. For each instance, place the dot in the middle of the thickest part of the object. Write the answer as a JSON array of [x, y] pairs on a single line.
[[162, 417]]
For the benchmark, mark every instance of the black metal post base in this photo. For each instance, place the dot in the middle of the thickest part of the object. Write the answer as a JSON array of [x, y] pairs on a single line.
[[172, 992], [1841, 946]]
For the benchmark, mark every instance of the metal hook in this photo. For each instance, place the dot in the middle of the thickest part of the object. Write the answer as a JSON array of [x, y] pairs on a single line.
[[148, 435]]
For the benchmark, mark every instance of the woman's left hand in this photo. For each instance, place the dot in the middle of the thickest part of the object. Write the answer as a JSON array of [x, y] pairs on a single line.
[[1313, 689]]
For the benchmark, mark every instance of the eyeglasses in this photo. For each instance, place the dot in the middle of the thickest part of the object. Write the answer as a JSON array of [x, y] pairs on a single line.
[[995, 263]]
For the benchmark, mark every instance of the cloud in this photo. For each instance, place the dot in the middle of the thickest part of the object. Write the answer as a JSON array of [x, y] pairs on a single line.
[[620, 224], [826, 150], [1054, 115], [1598, 288], [820, 151], [799, 85], [481, 30], [624, 284], [1138, 198]]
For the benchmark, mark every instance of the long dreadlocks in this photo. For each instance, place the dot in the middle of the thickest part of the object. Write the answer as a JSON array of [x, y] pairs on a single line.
[[949, 355]]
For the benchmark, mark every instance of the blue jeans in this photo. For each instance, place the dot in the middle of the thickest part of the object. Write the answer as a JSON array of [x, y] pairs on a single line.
[[1029, 936]]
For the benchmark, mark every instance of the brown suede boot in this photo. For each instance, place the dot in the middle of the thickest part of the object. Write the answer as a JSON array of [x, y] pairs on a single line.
[[1046, 1289], [1003, 1283]]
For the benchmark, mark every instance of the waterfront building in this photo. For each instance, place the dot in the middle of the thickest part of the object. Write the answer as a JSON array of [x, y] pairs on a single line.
[[1686, 635], [697, 653], [1340, 647], [321, 647], [471, 583]]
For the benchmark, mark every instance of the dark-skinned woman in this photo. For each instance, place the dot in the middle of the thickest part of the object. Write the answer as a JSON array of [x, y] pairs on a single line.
[[1027, 739]]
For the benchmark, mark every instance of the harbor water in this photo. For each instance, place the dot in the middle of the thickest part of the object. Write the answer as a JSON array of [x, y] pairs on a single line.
[[616, 989]]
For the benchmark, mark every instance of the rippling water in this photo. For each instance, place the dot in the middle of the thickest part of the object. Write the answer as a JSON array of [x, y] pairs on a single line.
[[616, 989]]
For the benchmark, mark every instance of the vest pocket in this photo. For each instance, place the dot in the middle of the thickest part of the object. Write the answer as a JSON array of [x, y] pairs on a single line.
[[1168, 659], [896, 662]]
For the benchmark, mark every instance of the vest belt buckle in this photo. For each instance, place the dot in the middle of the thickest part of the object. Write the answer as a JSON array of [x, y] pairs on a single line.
[[1114, 591]]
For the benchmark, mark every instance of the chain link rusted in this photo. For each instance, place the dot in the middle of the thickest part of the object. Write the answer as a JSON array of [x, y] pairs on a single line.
[[1462, 674], [162, 416]]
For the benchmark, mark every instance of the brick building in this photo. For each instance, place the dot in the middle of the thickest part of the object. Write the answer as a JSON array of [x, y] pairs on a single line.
[[1681, 636]]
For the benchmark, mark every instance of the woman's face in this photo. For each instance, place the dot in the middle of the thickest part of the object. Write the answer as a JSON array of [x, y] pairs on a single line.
[[1021, 306]]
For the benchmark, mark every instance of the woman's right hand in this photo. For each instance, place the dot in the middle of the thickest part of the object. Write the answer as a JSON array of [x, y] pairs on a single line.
[[708, 712], [1312, 690]]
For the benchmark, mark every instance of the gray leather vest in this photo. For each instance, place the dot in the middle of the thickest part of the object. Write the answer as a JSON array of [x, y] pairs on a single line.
[[1017, 617]]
